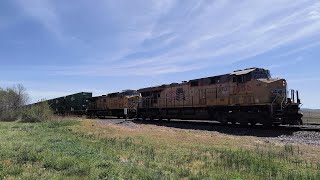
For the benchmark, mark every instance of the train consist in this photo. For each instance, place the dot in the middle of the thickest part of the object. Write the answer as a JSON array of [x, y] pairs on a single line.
[[248, 96]]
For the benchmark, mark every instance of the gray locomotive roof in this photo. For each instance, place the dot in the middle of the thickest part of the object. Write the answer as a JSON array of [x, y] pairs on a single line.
[[155, 88], [241, 72]]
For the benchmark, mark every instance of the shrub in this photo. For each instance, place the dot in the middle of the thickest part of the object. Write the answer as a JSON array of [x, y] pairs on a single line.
[[37, 113], [10, 115]]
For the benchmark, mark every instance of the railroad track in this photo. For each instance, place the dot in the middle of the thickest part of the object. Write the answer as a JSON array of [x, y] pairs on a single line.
[[312, 123], [207, 125], [304, 128]]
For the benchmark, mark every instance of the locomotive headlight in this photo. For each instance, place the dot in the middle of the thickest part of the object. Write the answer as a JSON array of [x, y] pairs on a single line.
[[284, 83]]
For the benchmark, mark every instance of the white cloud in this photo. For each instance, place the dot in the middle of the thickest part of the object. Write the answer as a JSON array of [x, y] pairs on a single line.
[[299, 49], [286, 63]]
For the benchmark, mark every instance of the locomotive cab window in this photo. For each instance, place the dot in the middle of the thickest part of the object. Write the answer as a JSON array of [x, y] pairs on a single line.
[[155, 96], [145, 94], [214, 80], [234, 79], [239, 79], [248, 77], [265, 74], [194, 83]]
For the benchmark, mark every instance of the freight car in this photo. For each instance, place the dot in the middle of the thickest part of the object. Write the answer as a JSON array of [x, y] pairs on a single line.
[[74, 104], [114, 104], [77, 104], [248, 96]]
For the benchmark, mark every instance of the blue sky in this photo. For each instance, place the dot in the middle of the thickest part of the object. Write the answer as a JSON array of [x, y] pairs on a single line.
[[56, 47]]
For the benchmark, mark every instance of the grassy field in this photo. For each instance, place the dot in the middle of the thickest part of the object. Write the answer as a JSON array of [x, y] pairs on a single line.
[[309, 116], [90, 150], [311, 120]]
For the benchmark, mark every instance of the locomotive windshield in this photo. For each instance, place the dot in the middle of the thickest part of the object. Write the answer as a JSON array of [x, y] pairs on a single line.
[[130, 93], [262, 74]]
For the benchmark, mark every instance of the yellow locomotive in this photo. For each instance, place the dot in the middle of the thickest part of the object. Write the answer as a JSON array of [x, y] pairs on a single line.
[[243, 96], [119, 104]]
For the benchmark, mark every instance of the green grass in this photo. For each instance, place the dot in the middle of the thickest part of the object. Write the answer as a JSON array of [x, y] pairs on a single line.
[[311, 120], [311, 116], [55, 150]]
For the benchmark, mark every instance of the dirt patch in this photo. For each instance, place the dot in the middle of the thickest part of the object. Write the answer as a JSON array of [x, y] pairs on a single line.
[[119, 122]]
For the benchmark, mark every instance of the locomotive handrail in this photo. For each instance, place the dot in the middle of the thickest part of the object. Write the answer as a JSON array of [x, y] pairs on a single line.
[[273, 103], [284, 98], [300, 105]]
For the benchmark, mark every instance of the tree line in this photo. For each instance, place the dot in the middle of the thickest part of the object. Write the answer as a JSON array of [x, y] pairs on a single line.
[[13, 101]]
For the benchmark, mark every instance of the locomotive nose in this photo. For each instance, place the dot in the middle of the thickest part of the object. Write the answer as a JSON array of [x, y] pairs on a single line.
[[278, 87], [274, 90]]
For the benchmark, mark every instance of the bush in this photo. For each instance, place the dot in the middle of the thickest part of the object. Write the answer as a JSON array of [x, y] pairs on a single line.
[[37, 113], [10, 115]]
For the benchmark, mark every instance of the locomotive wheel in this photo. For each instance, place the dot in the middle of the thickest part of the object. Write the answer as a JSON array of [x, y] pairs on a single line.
[[276, 124], [299, 122], [252, 122], [242, 118], [267, 124], [221, 117], [265, 119]]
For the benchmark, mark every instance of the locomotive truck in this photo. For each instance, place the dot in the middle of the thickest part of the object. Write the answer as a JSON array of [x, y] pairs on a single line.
[[248, 96]]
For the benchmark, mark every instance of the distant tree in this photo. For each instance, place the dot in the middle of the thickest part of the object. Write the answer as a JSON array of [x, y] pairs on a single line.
[[12, 99]]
